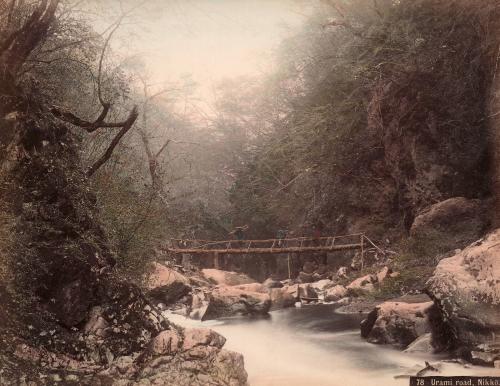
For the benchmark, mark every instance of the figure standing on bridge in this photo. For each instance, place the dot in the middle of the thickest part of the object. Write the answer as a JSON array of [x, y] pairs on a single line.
[[239, 232], [281, 235]]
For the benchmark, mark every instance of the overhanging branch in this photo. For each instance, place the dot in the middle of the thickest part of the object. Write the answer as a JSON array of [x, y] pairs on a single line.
[[109, 151]]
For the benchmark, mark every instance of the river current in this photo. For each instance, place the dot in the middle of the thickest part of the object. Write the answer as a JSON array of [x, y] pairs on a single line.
[[317, 346]]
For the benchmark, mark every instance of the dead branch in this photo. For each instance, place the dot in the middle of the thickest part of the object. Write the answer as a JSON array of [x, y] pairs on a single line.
[[163, 148], [100, 122], [89, 126], [109, 151]]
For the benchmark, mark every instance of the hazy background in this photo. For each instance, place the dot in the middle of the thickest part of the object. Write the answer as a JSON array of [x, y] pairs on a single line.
[[205, 39]]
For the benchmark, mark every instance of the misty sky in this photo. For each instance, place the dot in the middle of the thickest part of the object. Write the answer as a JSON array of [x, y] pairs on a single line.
[[209, 39]]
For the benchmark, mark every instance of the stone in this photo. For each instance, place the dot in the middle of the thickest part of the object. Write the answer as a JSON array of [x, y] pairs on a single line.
[[199, 305], [453, 223], [322, 269], [367, 324], [201, 361], [322, 285], [231, 365], [397, 323], [318, 277], [306, 277], [201, 337], [301, 290], [229, 278], [280, 298], [230, 301], [335, 293], [166, 284], [383, 274], [165, 343], [343, 302], [422, 345], [466, 290], [271, 283], [342, 272], [363, 284], [51, 360], [96, 324], [123, 365], [252, 287], [482, 358], [309, 267]]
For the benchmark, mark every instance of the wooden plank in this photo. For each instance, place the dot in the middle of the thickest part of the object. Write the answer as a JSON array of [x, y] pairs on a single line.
[[304, 238], [338, 247]]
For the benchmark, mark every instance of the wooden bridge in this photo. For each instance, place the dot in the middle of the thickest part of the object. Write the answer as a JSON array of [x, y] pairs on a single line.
[[357, 241]]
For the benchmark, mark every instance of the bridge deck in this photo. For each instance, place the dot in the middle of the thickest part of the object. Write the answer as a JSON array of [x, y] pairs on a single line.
[[273, 250], [271, 246]]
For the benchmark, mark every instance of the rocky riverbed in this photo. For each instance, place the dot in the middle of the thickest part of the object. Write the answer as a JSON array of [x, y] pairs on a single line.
[[456, 318], [316, 345]]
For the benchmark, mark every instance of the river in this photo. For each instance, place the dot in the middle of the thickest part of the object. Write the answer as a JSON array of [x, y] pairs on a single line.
[[316, 346]]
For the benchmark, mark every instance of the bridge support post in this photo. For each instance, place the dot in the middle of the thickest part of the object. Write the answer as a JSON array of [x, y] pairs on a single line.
[[362, 252], [216, 260], [289, 268]]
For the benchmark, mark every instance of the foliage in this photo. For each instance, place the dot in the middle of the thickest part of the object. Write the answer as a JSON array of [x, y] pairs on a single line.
[[385, 113]]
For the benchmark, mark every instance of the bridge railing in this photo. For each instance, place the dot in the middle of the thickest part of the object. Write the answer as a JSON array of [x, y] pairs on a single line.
[[272, 246], [277, 243]]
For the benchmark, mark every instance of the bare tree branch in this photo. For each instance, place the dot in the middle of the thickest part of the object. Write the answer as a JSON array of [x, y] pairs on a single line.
[[69, 117], [107, 154], [101, 59], [163, 148]]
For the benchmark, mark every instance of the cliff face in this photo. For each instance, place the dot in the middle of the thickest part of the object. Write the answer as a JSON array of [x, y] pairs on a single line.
[[59, 246], [431, 152], [401, 123]]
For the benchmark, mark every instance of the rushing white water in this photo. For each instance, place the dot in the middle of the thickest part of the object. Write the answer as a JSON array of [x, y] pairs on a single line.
[[314, 345]]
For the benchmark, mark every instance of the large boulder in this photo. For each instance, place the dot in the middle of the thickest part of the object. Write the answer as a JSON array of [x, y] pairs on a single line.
[[272, 283], [192, 356], [165, 343], [220, 277], [450, 224], [280, 298], [309, 267], [199, 304], [397, 323], [335, 293], [323, 285], [383, 274], [166, 284], [252, 287], [362, 284], [202, 336], [301, 291], [231, 301], [421, 345], [466, 289]]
